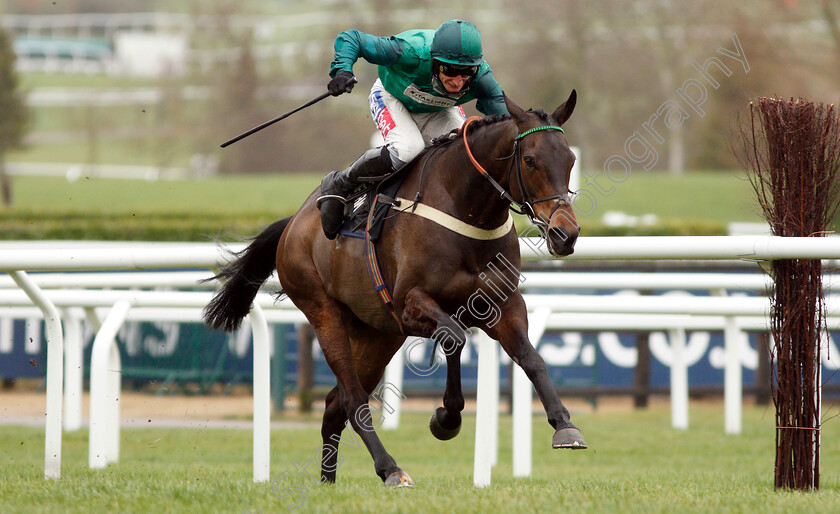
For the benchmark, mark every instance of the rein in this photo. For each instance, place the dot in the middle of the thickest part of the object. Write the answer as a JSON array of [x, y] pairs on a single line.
[[527, 205]]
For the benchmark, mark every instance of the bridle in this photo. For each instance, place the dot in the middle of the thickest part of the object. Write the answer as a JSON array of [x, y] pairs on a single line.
[[526, 207]]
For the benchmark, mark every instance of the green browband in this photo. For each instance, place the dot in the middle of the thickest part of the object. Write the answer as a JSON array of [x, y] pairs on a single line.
[[546, 127]]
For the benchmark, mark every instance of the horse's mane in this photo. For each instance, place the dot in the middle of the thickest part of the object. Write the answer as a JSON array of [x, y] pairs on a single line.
[[453, 135], [487, 120]]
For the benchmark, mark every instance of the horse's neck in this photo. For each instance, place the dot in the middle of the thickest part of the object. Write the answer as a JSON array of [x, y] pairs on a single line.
[[474, 198]]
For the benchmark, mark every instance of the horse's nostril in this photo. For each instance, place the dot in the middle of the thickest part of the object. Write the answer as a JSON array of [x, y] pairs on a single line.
[[561, 237], [562, 234]]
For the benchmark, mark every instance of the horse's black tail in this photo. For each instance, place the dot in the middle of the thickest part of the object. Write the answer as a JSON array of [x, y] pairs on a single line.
[[242, 278]]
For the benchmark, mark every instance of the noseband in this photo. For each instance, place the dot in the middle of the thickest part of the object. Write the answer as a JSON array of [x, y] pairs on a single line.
[[526, 207]]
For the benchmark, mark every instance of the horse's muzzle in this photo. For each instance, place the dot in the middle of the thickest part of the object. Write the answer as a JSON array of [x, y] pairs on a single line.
[[561, 241]]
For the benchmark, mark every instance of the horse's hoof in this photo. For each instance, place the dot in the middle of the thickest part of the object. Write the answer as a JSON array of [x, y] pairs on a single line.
[[568, 438], [438, 430], [399, 479]]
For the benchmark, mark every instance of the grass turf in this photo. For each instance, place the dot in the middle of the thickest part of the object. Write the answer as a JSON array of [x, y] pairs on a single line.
[[232, 194], [694, 196], [635, 463]]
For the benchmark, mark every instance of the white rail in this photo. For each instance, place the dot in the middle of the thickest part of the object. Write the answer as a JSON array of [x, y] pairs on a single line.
[[750, 248], [19, 258]]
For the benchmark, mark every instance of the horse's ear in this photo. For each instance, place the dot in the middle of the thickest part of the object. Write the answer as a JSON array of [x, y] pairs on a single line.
[[516, 112], [564, 112]]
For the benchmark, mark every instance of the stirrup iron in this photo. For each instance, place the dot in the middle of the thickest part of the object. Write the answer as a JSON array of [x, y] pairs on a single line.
[[321, 199]]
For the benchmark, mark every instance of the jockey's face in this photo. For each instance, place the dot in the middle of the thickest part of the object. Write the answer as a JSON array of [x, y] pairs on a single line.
[[453, 84]]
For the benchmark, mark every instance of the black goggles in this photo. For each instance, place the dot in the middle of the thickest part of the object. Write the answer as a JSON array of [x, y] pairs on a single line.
[[456, 70]]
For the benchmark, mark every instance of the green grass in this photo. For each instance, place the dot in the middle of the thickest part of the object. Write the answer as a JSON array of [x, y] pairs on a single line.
[[240, 205], [136, 151], [281, 193], [702, 195], [695, 196], [635, 463], [136, 120], [31, 80]]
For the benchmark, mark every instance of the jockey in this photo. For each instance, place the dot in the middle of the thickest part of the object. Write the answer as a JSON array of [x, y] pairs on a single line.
[[424, 77]]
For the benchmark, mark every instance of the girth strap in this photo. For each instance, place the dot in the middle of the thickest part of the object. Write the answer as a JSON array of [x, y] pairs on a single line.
[[452, 223]]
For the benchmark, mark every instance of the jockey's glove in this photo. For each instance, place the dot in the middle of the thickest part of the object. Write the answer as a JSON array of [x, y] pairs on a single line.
[[342, 83]]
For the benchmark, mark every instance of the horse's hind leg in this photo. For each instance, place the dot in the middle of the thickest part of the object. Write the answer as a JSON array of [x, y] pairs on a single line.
[[372, 351], [331, 426], [330, 322], [370, 369]]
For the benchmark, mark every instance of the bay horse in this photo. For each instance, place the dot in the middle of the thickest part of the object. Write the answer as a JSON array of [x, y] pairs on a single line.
[[432, 272]]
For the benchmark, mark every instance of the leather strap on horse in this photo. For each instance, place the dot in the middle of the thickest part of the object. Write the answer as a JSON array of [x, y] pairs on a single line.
[[452, 223], [502, 192], [373, 266], [446, 220], [527, 205]]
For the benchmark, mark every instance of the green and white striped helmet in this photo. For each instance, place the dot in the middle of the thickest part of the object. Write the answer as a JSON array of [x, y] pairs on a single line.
[[457, 42]]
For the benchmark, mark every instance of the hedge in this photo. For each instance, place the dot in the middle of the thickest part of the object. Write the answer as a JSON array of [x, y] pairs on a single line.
[[177, 226], [17, 225]]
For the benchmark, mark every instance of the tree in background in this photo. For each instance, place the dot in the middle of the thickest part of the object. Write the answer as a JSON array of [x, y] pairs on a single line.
[[624, 58], [831, 13], [237, 90], [709, 143], [78, 6], [238, 95], [14, 115]]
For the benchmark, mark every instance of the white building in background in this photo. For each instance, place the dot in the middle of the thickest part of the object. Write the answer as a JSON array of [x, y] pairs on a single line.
[[150, 53], [64, 55], [129, 53], [150, 43]]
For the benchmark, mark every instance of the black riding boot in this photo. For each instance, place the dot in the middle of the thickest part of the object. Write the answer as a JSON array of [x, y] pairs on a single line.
[[338, 184]]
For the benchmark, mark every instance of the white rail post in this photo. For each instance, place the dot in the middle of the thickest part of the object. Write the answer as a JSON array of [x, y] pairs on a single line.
[[73, 370], [114, 392], [732, 386], [523, 394], [93, 318], [522, 423], [493, 386], [816, 433], [574, 176], [262, 395], [486, 402], [391, 401], [55, 372], [105, 379], [679, 380], [262, 392]]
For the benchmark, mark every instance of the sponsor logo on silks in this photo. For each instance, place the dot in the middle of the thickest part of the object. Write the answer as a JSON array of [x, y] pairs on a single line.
[[422, 97], [381, 114]]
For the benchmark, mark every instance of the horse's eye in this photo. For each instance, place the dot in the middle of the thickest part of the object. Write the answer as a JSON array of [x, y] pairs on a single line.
[[530, 161]]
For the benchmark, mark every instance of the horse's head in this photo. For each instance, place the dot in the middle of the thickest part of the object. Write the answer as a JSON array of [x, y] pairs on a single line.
[[542, 169]]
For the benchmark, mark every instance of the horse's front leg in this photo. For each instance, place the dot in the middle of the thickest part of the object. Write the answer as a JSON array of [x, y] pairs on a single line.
[[423, 316], [446, 421], [512, 332]]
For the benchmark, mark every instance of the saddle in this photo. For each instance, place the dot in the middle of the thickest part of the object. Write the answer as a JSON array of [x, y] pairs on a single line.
[[361, 223], [357, 208]]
